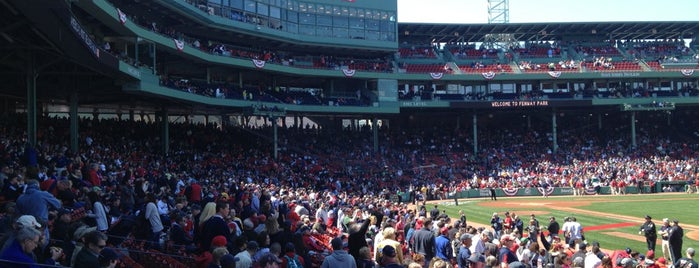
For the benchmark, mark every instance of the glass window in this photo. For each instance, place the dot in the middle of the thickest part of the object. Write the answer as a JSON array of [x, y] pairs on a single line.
[[291, 28], [388, 36], [292, 16], [275, 12], [215, 2], [356, 34], [237, 4], [356, 23], [387, 26], [339, 21], [372, 25], [320, 9], [307, 29], [337, 11], [368, 14], [352, 12], [311, 8], [293, 5], [392, 16], [324, 20], [341, 32], [302, 7], [360, 12], [306, 18], [262, 9], [373, 35], [250, 6], [325, 31]]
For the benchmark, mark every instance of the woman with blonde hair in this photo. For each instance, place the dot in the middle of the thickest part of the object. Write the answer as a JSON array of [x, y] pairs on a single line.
[[206, 213]]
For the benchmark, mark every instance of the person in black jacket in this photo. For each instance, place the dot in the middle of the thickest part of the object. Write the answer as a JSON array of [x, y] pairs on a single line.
[[177, 234], [649, 231], [554, 228], [675, 239], [424, 242], [216, 225]]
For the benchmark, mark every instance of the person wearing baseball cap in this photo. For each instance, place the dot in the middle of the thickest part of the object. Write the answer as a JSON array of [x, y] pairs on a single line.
[[388, 259], [443, 246], [648, 230], [675, 240], [463, 258], [688, 261], [506, 256]]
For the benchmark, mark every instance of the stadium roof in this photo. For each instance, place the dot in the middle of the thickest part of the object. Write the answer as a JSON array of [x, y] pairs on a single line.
[[446, 32]]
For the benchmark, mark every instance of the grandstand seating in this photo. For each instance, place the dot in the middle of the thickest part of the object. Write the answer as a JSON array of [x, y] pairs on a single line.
[[417, 52], [498, 68], [617, 66], [425, 68]]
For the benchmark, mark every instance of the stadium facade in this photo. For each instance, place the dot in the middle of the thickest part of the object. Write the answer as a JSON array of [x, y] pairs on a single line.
[[332, 61]]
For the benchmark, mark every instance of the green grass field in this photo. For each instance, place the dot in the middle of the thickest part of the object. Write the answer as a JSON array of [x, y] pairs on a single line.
[[615, 209]]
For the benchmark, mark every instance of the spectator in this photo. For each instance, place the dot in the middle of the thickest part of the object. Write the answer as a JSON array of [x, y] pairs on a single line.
[[95, 242], [424, 241], [269, 261], [20, 253], [216, 225], [153, 217], [291, 259], [339, 258], [108, 258]]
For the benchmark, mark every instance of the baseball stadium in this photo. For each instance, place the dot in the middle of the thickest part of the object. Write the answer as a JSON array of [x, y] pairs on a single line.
[[326, 133]]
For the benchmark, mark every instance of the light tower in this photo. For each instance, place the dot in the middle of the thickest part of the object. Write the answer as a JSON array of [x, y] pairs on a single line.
[[499, 12]]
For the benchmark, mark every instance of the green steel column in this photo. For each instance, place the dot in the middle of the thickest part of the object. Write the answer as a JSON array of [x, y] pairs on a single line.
[[375, 129], [165, 131], [154, 57], [74, 128], [276, 141], [32, 74], [475, 135], [554, 129], [633, 130], [135, 49]]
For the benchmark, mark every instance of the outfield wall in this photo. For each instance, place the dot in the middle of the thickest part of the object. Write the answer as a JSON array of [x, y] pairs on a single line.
[[554, 191]]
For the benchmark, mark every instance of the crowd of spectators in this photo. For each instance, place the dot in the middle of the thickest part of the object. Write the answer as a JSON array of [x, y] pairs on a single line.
[[222, 90], [326, 182]]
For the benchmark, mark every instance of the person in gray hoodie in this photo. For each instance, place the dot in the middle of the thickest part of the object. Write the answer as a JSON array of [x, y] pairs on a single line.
[[339, 258]]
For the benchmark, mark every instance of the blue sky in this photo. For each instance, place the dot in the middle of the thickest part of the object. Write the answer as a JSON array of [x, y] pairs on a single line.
[[523, 11]]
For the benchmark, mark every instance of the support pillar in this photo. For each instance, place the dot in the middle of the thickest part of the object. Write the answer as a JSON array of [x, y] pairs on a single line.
[[165, 123], [74, 121], [276, 140], [153, 49], [599, 121], [633, 130], [554, 129], [475, 135], [32, 74], [208, 75], [132, 114], [375, 129], [458, 122], [529, 121], [135, 50]]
